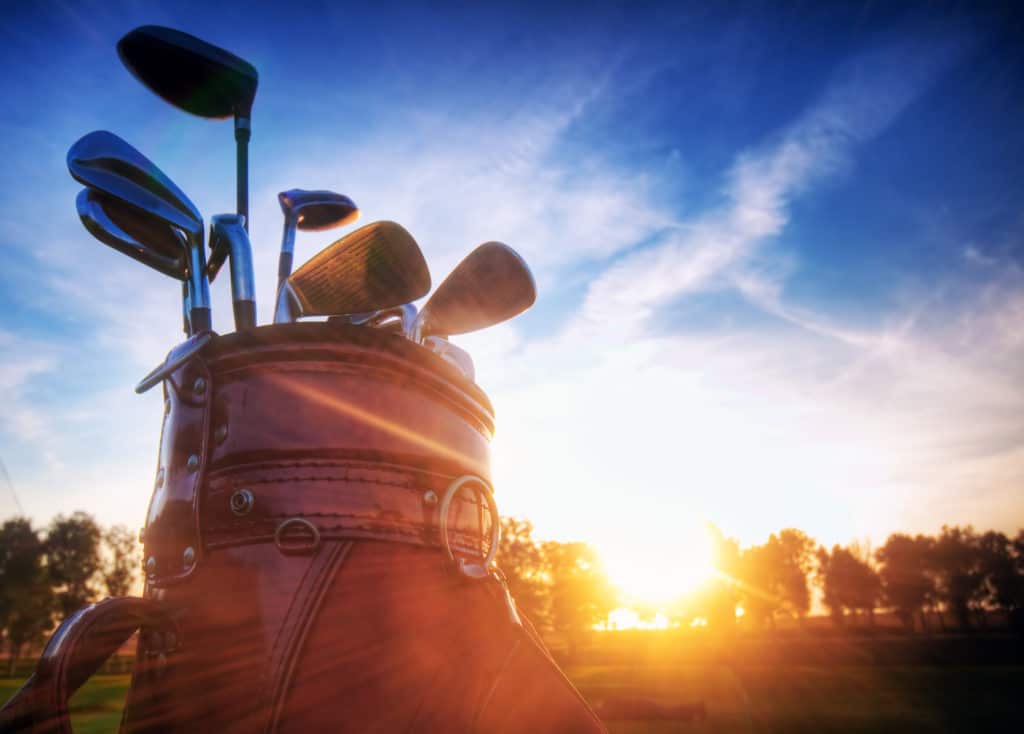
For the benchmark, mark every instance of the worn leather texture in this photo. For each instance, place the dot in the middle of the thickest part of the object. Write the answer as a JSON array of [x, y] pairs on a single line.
[[295, 537]]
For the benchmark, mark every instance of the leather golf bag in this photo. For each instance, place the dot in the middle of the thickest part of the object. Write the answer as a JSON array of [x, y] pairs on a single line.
[[319, 551]]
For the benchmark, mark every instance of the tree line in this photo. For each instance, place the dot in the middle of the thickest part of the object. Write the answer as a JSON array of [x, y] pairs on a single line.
[[46, 575], [958, 574]]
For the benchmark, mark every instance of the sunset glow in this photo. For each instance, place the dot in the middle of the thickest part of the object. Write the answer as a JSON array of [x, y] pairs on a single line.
[[659, 568]]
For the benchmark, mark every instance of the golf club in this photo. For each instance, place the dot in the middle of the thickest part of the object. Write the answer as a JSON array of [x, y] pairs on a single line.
[[490, 285], [453, 355], [129, 231], [229, 238], [310, 211], [375, 267], [399, 318], [199, 78], [106, 163]]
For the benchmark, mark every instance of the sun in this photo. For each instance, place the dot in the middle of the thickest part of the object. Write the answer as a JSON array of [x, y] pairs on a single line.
[[660, 567]]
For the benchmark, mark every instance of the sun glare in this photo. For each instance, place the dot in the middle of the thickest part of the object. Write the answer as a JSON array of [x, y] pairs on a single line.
[[659, 568]]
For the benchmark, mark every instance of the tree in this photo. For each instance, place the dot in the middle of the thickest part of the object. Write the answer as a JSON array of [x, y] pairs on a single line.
[[26, 599], [122, 560], [73, 559], [580, 593], [522, 561], [794, 552], [848, 583], [999, 565], [906, 584], [957, 563]]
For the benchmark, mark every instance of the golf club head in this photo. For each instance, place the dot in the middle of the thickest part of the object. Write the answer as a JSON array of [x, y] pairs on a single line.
[[229, 238], [317, 210], [189, 73], [491, 284], [310, 211], [453, 355], [131, 232], [375, 267], [105, 162], [399, 318]]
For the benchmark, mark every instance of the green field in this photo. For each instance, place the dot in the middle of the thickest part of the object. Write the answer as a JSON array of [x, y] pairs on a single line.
[[790, 699]]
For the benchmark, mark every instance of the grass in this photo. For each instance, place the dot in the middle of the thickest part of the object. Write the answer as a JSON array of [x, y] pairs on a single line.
[[748, 698], [95, 708]]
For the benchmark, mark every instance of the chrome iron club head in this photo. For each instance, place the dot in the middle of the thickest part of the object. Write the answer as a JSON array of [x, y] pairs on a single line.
[[229, 238], [491, 284], [140, 236], [107, 164], [199, 78], [373, 268], [309, 211]]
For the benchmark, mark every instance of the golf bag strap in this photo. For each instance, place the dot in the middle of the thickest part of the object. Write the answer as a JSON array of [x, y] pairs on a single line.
[[344, 499], [75, 651], [302, 612]]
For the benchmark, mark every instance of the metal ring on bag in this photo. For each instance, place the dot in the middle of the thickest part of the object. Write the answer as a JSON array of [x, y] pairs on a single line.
[[291, 549], [446, 501]]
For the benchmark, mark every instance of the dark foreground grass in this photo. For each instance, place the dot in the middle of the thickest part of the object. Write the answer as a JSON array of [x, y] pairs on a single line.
[[95, 709], [750, 698]]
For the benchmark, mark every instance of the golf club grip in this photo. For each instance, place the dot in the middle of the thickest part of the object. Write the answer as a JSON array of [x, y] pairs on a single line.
[[201, 319], [245, 315]]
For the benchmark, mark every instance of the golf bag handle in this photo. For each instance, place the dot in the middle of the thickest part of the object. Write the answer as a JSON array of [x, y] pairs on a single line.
[[75, 651]]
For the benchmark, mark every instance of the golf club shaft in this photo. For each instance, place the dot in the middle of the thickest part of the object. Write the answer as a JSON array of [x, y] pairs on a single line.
[[198, 288], [243, 132]]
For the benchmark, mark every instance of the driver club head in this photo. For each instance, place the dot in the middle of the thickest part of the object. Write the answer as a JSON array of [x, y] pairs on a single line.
[[491, 284], [189, 73], [373, 268]]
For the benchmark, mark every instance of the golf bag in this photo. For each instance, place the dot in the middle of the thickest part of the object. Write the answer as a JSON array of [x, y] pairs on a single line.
[[318, 555]]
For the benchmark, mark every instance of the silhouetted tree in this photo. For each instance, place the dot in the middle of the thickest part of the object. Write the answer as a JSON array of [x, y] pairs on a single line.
[[121, 564], [1004, 582], [521, 558], [73, 559], [26, 598], [795, 559], [716, 601], [906, 584], [848, 583], [957, 564], [580, 593]]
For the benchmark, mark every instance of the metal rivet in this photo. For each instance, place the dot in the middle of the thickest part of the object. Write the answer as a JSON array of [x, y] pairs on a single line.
[[241, 502], [151, 565], [189, 557], [199, 386], [430, 497], [193, 462], [160, 478], [220, 434]]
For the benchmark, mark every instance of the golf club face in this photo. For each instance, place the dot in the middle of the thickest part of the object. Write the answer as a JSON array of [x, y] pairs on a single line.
[[189, 73], [491, 284], [132, 233], [373, 268], [314, 211], [229, 238], [106, 163]]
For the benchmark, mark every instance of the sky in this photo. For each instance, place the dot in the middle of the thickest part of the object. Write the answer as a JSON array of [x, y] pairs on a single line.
[[778, 248]]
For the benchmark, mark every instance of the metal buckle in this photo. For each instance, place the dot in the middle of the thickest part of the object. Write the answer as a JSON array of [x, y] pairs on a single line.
[[293, 548], [472, 570]]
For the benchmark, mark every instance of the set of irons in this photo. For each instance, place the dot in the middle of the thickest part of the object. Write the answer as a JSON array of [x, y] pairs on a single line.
[[368, 277]]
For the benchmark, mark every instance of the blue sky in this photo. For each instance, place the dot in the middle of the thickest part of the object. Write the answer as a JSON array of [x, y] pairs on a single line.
[[778, 246]]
